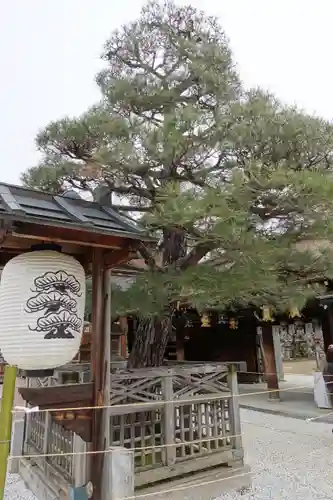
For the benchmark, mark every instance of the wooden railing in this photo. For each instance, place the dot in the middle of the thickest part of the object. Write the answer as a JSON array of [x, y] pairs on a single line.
[[46, 437], [43, 436], [169, 415]]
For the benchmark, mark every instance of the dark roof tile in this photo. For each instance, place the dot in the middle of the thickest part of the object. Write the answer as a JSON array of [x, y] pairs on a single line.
[[20, 203]]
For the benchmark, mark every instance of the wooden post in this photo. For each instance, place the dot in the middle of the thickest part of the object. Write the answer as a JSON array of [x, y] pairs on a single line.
[[269, 362], [169, 420], [107, 386], [234, 410], [98, 370], [278, 352], [120, 462], [180, 351], [16, 445], [80, 462], [47, 435], [327, 326], [123, 339]]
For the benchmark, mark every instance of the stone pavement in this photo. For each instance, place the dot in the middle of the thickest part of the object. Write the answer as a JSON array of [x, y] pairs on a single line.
[[296, 399]]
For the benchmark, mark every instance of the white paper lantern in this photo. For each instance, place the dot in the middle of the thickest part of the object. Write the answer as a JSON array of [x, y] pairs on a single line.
[[42, 301]]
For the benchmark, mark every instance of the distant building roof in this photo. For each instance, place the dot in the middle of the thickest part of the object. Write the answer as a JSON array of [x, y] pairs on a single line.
[[20, 204]]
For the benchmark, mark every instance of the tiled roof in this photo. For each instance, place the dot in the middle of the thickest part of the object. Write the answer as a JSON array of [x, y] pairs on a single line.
[[18, 203]]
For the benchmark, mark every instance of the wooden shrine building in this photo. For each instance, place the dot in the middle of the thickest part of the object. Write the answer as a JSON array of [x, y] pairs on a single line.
[[100, 238], [243, 335]]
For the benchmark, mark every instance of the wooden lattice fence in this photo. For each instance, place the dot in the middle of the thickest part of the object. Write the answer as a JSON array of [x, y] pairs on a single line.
[[169, 415]]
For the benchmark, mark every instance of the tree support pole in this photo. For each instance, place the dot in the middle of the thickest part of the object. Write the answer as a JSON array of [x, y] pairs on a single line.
[[6, 417], [270, 362]]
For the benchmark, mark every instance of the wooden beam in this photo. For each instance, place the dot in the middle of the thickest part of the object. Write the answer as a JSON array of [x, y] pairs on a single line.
[[25, 243], [63, 396], [117, 257], [67, 235]]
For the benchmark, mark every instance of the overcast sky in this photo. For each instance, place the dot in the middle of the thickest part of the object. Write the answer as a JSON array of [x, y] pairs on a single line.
[[49, 55]]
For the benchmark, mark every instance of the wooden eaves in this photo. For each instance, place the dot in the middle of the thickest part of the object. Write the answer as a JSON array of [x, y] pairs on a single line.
[[29, 217]]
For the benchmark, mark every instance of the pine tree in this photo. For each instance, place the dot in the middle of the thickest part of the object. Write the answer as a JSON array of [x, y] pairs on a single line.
[[233, 183]]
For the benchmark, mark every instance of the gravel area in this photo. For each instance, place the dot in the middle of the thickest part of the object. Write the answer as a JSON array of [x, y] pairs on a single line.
[[16, 490], [290, 459]]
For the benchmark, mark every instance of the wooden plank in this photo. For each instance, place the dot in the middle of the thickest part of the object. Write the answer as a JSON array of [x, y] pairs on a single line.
[[128, 408], [58, 396], [69, 235], [182, 468]]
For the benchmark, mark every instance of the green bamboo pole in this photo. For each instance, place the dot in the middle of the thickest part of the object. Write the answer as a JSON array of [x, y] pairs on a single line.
[[6, 417]]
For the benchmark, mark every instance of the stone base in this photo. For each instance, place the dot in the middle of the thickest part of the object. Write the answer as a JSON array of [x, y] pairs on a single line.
[[207, 485], [202, 486]]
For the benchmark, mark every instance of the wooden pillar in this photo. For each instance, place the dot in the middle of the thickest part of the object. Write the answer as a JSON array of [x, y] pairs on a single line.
[[169, 419], [234, 411], [269, 361], [98, 368], [278, 352], [107, 386], [327, 326], [123, 339], [180, 345]]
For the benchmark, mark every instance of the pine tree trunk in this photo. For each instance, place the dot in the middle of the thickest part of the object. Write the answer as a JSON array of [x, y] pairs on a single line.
[[151, 339], [152, 334]]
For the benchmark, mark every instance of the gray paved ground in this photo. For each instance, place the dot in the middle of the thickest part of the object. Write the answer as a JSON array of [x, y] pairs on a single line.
[[290, 458], [297, 399], [15, 489]]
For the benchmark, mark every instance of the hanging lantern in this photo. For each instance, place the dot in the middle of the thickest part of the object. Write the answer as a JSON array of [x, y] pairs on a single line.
[[189, 323], [233, 323], [294, 313], [205, 321], [221, 319], [42, 301], [266, 314]]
